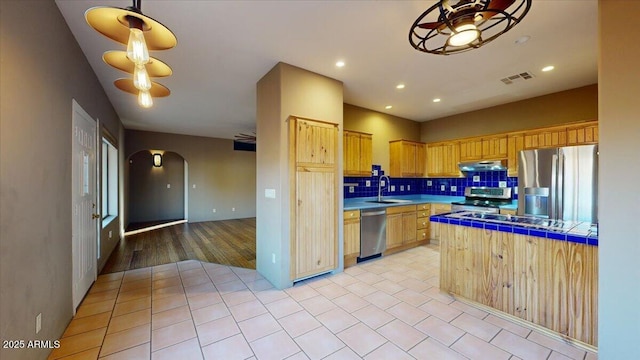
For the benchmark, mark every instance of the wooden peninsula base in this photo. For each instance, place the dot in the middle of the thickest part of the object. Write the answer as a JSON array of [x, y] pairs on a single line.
[[548, 282]]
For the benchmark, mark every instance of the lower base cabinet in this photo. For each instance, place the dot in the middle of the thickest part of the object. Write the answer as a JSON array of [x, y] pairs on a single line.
[[435, 210], [351, 237]]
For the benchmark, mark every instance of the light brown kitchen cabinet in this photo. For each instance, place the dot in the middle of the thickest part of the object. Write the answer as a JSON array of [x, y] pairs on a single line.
[[443, 159], [435, 210], [508, 211], [582, 134], [515, 143], [351, 236], [407, 158], [471, 149], [494, 147], [546, 138], [357, 153], [314, 197], [423, 211], [401, 225]]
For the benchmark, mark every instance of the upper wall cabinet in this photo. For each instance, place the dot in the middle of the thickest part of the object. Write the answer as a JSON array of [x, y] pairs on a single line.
[[494, 147], [471, 149], [357, 153], [515, 143], [407, 158], [585, 133], [443, 159], [545, 138]]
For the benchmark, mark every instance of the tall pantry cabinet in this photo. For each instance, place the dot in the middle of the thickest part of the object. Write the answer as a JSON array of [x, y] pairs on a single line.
[[314, 200]]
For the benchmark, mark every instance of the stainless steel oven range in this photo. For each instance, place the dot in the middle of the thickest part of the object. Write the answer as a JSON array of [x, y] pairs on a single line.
[[482, 198]]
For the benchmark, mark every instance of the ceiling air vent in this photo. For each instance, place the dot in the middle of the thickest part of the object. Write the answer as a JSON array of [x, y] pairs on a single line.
[[517, 78]]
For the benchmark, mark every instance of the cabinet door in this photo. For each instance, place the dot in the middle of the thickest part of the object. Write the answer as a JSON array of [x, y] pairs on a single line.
[[494, 147], [351, 237], [421, 160], [351, 153], [552, 137], [408, 159], [451, 158], [409, 227], [471, 149], [434, 160], [515, 143], [438, 209], [316, 143], [366, 154], [394, 230], [583, 134]]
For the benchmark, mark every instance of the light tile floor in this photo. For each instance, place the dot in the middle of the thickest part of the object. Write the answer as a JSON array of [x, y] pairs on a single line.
[[389, 308]]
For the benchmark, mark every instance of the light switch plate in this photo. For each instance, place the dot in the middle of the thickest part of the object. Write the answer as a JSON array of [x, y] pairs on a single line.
[[168, 186], [502, 184], [375, 172], [367, 183], [393, 188], [515, 190], [383, 183], [352, 189], [442, 187], [270, 193], [408, 187], [454, 188], [401, 187], [429, 183], [476, 178]]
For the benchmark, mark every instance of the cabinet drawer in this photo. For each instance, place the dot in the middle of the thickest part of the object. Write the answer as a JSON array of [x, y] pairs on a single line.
[[352, 214], [424, 213], [422, 223], [421, 207], [422, 234], [400, 209]]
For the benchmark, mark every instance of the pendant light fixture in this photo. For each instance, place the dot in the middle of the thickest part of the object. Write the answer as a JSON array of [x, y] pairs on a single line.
[[452, 26], [140, 33]]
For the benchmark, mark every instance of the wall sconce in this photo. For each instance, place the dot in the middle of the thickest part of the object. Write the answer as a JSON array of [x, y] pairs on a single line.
[[157, 160]]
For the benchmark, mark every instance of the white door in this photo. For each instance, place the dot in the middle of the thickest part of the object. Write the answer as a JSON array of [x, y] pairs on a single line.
[[84, 203]]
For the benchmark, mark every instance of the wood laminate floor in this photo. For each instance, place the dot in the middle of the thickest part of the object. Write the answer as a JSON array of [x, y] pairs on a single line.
[[226, 242]]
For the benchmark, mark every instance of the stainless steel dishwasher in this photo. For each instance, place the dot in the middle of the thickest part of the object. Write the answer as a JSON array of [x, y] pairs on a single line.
[[373, 233]]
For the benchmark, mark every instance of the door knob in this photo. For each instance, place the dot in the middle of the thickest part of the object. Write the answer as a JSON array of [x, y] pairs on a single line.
[[95, 216]]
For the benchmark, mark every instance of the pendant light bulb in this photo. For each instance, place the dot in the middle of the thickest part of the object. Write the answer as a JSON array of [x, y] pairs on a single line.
[[137, 50], [145, 100], [141, 78]]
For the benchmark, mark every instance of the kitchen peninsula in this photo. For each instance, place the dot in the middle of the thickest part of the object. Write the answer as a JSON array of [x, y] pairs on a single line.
[[539, 270]]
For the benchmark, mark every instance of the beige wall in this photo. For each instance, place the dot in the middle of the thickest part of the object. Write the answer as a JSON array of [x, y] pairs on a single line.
[[384, 128], [286, 90], [224, 178], [579, 104], [41, 70], [619, 240]]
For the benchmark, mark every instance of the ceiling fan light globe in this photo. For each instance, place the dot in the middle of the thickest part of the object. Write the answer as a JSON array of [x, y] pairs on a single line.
[[464, 35]]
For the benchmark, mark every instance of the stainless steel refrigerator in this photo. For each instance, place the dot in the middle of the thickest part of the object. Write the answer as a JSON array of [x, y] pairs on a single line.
[[559, 183]]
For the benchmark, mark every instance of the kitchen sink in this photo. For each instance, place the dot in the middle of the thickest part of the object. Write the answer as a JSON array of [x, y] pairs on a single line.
[[389, 201]]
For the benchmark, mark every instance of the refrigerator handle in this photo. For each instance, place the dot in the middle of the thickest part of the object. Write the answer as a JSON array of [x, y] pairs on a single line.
[[560, 186], [553, 194]]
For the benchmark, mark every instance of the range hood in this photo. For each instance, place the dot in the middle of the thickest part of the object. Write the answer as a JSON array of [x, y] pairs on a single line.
[[485, 165]]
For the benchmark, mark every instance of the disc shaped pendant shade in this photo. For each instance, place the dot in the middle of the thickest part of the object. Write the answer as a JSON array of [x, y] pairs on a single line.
[[157, 90], [113, 23], [119, 60]]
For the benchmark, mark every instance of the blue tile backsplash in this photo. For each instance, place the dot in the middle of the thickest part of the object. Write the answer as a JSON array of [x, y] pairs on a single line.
[[427, 186]]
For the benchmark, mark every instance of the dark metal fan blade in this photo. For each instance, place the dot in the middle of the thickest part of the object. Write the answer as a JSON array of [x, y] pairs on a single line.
[[431, 25]]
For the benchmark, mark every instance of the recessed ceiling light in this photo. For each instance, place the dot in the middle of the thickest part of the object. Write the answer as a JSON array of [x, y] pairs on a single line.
[[340, 63], [436, 100], [548, 68], [388, 107], [400, 86], [522, 39]]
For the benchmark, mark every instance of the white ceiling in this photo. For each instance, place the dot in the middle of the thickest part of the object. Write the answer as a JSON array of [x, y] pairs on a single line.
[[225, 47]]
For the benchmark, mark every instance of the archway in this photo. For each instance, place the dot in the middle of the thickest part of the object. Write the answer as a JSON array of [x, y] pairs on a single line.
[[157, 189]]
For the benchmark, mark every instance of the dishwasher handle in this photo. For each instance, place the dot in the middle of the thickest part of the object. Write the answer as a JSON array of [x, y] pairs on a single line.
[[373, 213]]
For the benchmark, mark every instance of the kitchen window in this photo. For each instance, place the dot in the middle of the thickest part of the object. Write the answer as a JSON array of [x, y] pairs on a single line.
[[109, 182]]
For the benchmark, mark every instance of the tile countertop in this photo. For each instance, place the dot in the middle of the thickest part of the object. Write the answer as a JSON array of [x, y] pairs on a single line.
[[363, 202], [571, 231]]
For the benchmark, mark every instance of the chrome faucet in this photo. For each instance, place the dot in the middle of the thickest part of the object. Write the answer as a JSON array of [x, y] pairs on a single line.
[[380, 187]]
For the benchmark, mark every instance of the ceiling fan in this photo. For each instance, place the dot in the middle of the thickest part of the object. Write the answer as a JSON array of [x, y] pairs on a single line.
[[246, 138], [455, 26]]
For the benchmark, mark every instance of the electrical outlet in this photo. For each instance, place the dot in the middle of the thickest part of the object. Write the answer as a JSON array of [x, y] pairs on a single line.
[[476, 178], [273, 258], [194, 186], [502, 184], [214, 210], [383, 183], [375, 172], [393, 188], [352, 189], [110, 234], [401, 187], [270, 193], [454, 188], [429, 183], [515, 190], [233, 209], [367, 183], [443, 187], [408, 187], [38, 323], [168, 186]]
